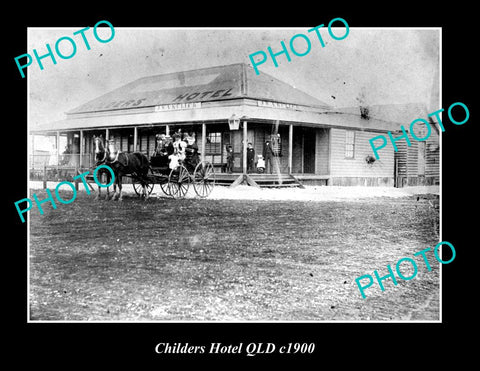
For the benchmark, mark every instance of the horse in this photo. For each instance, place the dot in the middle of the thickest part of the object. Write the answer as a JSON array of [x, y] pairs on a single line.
[[100, 159], [135, 164]]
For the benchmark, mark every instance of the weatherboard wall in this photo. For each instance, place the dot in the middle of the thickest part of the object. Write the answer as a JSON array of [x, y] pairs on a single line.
[[410, 162], [357, 168]]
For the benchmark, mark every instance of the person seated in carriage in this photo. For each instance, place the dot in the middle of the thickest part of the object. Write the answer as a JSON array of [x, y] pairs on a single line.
[[191, 150], [160, 154], [169, 145], [179, 146], [160, 142], [189, 138], [174, 161], [178, 156]]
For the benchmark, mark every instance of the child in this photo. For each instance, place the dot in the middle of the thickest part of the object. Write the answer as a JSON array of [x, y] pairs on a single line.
[[179, 146], [178, 154], [250, 158], [229, 159], [173, 161], [260, 164]]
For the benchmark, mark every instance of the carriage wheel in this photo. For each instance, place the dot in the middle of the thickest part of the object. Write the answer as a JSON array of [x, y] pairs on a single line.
[[165, 186], [204, 179], [137, 185], [179, 182]]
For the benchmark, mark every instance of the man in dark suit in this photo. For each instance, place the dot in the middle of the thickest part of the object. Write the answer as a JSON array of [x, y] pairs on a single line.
[[268, 156], [250, 158], [230, 159]]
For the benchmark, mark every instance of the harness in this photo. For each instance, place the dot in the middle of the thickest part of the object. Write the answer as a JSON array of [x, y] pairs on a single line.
[[116, 159], [102, 160]]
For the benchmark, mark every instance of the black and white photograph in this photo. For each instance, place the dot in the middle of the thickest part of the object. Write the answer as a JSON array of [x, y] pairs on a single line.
[[219, 182], [281, 174]]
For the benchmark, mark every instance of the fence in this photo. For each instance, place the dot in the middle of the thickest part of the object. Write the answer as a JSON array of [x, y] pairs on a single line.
[[47, 167]]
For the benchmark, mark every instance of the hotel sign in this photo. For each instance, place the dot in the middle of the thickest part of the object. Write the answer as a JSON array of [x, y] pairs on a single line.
[[177, 106], [262, 103]]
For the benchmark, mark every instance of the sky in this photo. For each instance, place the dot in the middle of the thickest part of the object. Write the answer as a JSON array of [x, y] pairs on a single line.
[[386, 65]]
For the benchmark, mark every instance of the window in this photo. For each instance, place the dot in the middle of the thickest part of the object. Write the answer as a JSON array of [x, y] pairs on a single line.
[[213, 143], [213, 148], [349, 144]]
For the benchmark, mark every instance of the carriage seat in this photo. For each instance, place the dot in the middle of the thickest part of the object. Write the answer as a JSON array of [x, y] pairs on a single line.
[[159, 160]]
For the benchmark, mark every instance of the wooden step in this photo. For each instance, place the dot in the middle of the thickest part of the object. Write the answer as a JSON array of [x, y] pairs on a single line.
[[261, 180], [270, 177], [290, 185], [273, 181]]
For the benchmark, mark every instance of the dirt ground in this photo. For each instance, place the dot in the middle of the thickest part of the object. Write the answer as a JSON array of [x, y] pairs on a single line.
[[224, 259]]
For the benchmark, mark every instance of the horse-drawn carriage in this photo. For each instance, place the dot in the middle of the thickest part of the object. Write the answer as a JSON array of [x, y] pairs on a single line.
[[173, 177], [176, 182]]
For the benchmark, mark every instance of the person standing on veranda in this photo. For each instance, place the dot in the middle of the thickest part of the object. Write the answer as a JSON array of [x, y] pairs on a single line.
[[250, 158], [268, 157]]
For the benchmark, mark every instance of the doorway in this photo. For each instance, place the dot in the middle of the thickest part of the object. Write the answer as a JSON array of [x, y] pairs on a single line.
[[304, 150], [309, 141]]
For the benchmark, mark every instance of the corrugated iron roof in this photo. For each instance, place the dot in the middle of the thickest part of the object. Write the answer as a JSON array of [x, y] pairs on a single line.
[[219, 84], [200, 85]]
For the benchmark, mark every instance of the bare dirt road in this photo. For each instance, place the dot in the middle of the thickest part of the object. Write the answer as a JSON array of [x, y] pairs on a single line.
[[226, 259]]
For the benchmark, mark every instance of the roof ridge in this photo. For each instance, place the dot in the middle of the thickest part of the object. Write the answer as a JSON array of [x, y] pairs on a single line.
[[192, 70], [224, 82]]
